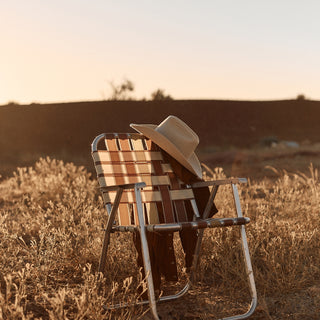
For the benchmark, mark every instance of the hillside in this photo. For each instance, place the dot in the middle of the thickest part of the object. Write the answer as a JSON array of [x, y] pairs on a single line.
[[66, 130]]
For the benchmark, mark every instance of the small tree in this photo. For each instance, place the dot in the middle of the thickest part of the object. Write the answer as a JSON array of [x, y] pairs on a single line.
[[120, 92], [13, 103], [301, 97], [160, 95]]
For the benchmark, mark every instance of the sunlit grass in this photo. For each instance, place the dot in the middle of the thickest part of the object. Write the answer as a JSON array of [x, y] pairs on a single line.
[[51, 220]]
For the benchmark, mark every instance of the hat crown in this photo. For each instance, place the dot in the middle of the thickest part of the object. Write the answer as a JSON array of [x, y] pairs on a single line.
[[176, 138], [180, 134]]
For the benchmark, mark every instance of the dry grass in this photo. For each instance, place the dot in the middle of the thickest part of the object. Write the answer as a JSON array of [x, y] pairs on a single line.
[[51, 219]]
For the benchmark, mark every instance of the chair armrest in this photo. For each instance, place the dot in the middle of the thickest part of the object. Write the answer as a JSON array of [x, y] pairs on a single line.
[[218, 182], [139, 185]]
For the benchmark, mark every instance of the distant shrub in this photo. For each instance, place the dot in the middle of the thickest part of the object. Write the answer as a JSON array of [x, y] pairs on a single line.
[[121, 91], [301, 97], [160, 95], [13, 103]]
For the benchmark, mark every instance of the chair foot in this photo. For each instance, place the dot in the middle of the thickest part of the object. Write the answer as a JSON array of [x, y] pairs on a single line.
[[181, 293]]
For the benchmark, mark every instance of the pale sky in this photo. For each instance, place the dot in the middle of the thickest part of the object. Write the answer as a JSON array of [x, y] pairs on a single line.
[[70, 50]]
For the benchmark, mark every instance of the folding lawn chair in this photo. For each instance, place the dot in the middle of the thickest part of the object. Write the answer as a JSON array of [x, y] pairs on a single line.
[[134, 181]]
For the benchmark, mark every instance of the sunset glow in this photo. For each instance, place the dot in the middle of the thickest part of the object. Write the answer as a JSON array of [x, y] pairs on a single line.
[[58, 51]]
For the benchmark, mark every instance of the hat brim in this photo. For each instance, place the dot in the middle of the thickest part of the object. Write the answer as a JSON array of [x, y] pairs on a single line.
[[192, 163]]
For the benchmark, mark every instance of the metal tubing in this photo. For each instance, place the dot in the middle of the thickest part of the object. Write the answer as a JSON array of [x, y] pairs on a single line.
[[94, 144], [178, 295], [144, 302], [218, 182], [197, 225], [247, 259], [195, 209], [200, 234], [145, 254], [152, 301], [107, 232]]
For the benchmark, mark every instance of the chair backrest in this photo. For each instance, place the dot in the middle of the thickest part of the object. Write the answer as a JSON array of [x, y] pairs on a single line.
[[131, 158]]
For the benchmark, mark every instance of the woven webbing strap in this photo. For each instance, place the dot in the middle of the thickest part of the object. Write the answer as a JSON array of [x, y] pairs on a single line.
[[131, 158]]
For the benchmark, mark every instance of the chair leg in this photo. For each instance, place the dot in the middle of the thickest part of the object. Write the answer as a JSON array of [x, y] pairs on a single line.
[[146, 255], [247, 260], [246, 256], [196, 257], [147, 263], [200, 234], [107, 232]]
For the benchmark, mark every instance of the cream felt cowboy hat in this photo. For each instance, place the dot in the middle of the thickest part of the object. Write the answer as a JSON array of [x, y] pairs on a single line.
[[176, 138]]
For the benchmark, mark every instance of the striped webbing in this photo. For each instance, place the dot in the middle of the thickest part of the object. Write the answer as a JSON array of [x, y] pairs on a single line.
[[131, 158]]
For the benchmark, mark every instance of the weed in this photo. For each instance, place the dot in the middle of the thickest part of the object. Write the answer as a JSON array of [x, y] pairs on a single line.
[[51, 221]]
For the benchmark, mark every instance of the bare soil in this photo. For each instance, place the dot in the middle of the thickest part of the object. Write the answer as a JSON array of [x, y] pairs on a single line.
[[227, 129]]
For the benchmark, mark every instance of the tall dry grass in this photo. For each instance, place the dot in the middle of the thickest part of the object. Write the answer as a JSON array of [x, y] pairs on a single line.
[[51, 220]]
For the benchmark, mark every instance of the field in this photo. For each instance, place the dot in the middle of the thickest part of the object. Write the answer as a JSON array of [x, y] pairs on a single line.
[[51, 221], [65, 131], [52, 217]]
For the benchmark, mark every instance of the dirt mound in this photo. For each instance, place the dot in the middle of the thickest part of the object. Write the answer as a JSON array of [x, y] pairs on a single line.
[[66, 130]]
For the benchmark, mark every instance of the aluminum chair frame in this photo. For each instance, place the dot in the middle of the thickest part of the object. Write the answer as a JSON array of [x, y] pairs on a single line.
[[142, 228]]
